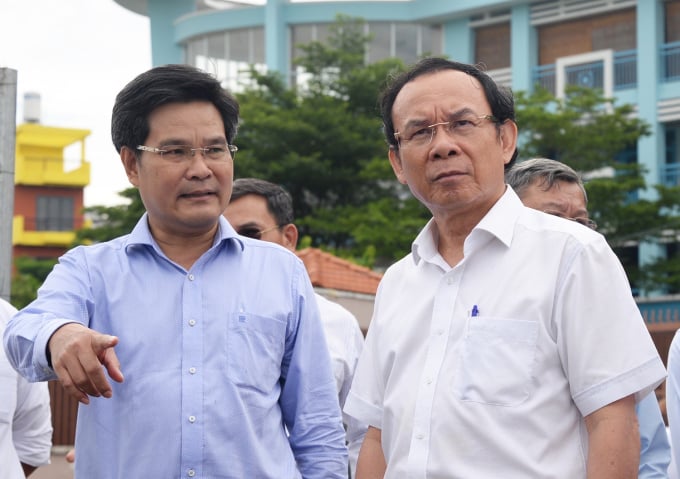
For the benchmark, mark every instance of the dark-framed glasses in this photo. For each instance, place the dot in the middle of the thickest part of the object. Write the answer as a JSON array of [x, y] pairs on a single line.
[[182, 153], [584, 220], [460, 126], [255, 233]]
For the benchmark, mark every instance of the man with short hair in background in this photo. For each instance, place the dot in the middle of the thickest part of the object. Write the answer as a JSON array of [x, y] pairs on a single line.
[[555, 188], [263, 210]]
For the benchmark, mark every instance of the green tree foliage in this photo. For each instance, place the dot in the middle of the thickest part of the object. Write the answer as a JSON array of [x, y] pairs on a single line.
[[30, 274], [323, 142], [592, 134]]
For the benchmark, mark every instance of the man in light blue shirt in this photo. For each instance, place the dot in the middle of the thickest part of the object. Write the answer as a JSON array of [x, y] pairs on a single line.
[[555, 188], [194, 352]]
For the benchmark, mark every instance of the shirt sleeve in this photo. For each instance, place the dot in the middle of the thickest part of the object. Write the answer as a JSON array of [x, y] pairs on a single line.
[[365, 398], [32, 427], [593, 301], [673, 396], [655, 451], [63, 298], [356, 430], [309, 400]]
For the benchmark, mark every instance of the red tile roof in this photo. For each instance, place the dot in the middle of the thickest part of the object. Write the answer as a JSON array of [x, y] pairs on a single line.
[[328, 271]]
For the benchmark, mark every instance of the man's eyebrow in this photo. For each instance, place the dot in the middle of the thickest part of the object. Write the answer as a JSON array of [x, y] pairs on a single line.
[[420, 122]]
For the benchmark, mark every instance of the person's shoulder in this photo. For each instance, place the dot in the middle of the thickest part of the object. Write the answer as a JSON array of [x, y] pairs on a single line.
[[6, 312], [545, 224], [329, 306]]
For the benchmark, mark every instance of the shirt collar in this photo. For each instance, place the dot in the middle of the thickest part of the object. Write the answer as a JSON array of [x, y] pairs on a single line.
[[141, 234], [499, 222]]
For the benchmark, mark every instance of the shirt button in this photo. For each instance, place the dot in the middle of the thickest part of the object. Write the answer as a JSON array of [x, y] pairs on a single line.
[[191, 277], [428, 380], [192, 370], [191, 473], [420, 436], [192, 419], [192, 322]]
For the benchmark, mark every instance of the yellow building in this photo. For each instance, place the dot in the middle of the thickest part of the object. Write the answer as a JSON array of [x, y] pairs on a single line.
[[49, 184]]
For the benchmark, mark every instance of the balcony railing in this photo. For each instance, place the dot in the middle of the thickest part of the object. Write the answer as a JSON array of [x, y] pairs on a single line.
[[592, 74], [670, 174], [670, 62]]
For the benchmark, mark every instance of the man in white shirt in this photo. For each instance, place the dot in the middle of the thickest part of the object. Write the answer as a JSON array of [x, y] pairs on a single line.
[[262, 210], [555, 188], [25, 417], [507, 344]]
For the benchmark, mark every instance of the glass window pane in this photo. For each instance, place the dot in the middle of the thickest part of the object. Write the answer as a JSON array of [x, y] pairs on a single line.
[[379, 48], [239, 46], [406, 38]]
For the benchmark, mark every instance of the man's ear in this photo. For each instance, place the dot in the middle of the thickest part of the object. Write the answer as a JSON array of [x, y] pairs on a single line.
[[395, 161], [131, 165], [290, 236], [508, 139]]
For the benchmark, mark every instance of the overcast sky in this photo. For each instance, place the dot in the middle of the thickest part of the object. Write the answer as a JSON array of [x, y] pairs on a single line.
[[77, 54]]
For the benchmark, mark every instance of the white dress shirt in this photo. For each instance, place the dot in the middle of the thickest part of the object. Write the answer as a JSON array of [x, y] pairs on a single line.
[[25, 417], [487, 369], [345, 342]]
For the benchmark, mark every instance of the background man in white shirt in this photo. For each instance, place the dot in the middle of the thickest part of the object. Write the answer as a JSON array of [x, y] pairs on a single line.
[[263, 210], [555, 188], [25, 417]]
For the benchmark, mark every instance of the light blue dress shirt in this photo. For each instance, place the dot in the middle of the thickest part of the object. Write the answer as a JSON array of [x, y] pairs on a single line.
[[226, 370], [655, 450]]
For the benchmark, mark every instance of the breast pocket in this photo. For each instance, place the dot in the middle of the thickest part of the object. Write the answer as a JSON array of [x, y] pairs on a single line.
[[496, 361], [255, 346]]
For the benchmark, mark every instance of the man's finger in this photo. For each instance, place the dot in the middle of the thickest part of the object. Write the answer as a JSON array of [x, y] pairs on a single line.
[[112, 365]]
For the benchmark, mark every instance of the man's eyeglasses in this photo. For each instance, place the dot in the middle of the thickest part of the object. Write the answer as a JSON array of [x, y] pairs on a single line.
[[422, 135], [584, 220], [253, 232], [183, 153]]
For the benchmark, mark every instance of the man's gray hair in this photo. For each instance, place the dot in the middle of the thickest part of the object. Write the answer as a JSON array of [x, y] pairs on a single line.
[[542, 171]]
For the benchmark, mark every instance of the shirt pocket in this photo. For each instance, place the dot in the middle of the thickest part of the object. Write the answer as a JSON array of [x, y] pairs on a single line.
[[255, 346], [496, 361]]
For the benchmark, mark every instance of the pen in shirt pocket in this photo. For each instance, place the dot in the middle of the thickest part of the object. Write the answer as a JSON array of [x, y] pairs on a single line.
[[475, 311]]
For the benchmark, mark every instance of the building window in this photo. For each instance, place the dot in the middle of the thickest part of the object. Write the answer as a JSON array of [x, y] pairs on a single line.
[[492, 46], [671, 172], [616, 31], [672, 15], [228, 55], [406, 41], [54, 213]]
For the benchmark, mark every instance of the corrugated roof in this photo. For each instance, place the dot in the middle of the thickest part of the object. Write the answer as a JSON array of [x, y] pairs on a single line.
[[328, 271]]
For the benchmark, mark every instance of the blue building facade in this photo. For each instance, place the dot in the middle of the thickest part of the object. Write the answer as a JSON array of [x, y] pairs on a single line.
[[628, 48]]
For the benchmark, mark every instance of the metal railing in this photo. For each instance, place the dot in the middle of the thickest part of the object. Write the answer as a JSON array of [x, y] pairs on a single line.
[[670, 62], [670, 174], [592, 74]]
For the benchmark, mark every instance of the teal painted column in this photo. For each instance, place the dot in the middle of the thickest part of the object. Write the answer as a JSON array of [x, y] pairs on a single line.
[[650, 28], [162, 15], [458, 41], [276, 38], [523, 48]]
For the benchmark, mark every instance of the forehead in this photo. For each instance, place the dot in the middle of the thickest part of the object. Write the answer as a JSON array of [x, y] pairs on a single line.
[[561, 193], [250, 208], [438, 93], [175, 118]]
